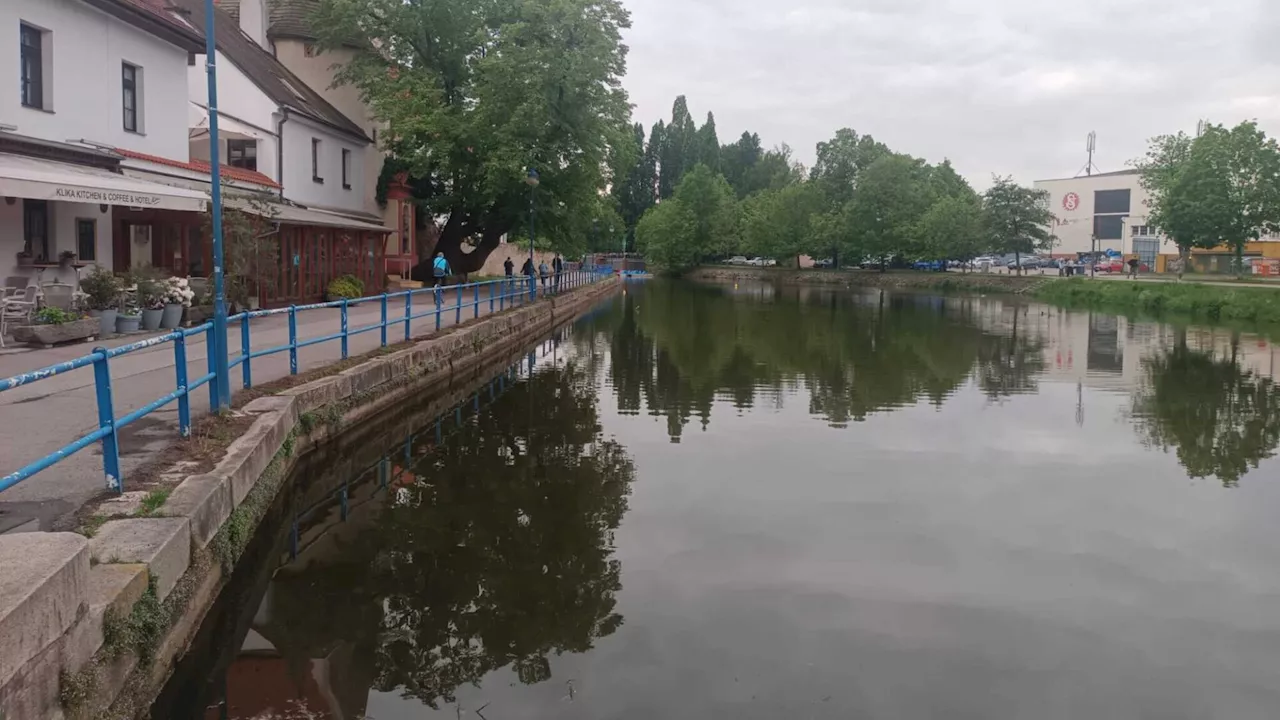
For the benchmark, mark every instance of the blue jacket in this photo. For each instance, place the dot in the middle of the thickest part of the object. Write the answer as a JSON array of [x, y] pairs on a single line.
[[440, 266]]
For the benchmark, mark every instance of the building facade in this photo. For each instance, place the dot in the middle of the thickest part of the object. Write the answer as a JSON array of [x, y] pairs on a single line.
[[1101, 212]]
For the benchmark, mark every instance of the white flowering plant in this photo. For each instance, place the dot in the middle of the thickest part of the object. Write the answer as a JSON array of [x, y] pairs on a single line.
[[177, 291]]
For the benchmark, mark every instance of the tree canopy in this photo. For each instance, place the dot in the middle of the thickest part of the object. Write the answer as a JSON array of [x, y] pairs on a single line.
[[474, 94]]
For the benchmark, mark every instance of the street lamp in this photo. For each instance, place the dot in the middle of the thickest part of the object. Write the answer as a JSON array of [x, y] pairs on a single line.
[[532, 180]]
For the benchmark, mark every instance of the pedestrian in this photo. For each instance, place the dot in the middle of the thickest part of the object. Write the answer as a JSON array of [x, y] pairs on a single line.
[[1133, 268], [557, 267], [543, 273], [440, 272], [509, 267]]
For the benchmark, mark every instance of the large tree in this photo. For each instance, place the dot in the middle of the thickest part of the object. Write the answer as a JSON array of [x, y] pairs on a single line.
[[709, 144], [679, 148], [841, 160], [883, 217], [698, 221], [952, 229], [779, 223], [737, 161], [634, 195], [475, 93], [1227, 190], [1017, 219]]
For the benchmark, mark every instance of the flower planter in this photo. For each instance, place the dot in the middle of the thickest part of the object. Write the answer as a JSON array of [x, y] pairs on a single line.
[[127, 323], [107, 319], [50, 335], [151, 319], [198, 314], [172, 316]]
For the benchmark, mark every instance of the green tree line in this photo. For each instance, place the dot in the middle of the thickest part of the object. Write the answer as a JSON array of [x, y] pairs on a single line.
[[688, 199]]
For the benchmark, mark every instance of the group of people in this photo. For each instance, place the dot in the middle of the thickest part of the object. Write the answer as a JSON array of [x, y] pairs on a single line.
[[543, 272], [441, 270]]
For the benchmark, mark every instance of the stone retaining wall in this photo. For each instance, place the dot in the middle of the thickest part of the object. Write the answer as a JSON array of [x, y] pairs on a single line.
[[90, 627]]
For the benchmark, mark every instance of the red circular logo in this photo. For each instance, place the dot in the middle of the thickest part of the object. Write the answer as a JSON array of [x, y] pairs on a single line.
[[1070, 201]]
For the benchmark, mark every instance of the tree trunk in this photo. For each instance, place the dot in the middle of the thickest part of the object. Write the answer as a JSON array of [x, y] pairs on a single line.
[[1017, 262], [1184, 258], [450, 240]]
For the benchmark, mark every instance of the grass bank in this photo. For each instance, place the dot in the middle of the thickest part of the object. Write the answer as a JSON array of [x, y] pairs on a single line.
[[1212, 302]]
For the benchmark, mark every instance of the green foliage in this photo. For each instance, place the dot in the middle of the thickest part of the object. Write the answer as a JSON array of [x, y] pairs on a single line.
[[952, 228], [635, 194], [699, 221], [665, 236], [882, 218], [780, 223], [141, 630], [708, 144], [1212, 302], [841, 162], [349, 287], [154, 500], [103, 288], [1017, 218], [478, 93], [679, 149], [249, 241], [53, 316]]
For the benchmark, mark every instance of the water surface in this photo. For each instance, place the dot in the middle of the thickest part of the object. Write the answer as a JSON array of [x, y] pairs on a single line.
[[745, 502]]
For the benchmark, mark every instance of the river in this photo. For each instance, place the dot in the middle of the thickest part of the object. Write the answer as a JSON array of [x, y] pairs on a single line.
[[750, 502]]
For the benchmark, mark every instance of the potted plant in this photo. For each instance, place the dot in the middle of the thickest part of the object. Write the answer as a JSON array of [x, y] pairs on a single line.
[[177, 296], [50, 326], [151, 300], [128, 318], [66, 259], [103, 290]]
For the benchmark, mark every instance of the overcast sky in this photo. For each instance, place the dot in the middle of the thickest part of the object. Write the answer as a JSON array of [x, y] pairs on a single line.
[[998, 86]]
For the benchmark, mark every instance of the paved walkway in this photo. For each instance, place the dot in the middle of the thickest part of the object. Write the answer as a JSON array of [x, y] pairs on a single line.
[[38, 419]]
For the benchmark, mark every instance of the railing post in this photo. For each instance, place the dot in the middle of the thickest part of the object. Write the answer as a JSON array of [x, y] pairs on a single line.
[[438, 316], [184, 400], [246, 373], [491, 294], [344, 328], [383, 331], [344, 502], [107, 419], [457, 311], [293, 339], [475, 298], [408, 313], [211, 354], [533, 287]]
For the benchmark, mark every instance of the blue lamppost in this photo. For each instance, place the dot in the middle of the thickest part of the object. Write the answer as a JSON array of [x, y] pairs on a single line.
[[532, 180], [221, 370]]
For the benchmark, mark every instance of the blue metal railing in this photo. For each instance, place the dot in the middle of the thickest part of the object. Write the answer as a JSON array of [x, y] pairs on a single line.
[[499, 294]]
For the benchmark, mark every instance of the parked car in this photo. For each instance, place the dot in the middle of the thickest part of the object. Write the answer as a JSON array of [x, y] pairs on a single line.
[[929, 265], [1028, 262], [737, 260], [1110, 266], [768, 262], [824, 263]]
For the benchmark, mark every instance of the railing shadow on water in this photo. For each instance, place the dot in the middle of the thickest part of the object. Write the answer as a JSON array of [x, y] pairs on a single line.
[[371, 462], [500, 295]]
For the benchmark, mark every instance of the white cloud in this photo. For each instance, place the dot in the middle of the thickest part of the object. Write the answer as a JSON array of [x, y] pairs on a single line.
[[999, 86]]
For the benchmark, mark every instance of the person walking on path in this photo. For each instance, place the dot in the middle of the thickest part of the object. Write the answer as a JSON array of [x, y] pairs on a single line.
[[440, 272], [1133, 268], [528, 271], [543, 273], [509, 268], [557, 267]]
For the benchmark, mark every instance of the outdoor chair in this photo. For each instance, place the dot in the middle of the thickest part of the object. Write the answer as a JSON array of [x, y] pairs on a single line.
[[13, 309], [15, 284]]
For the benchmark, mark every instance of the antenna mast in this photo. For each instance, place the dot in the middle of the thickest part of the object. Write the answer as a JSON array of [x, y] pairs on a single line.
[[1091, 144]]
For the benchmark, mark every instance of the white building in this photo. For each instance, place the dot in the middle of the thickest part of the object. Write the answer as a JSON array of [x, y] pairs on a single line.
[[79, 78], [275, 123], [1104, 211]]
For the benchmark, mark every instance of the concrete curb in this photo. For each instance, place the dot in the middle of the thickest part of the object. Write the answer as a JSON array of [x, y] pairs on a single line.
[[52, 607]]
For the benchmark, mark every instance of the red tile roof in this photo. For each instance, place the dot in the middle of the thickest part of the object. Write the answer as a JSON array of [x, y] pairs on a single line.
[[204, 168]]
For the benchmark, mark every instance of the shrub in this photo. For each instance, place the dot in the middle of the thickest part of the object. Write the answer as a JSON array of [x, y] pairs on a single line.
[[53, 316], [346, 286], [177, 291], [103, 289]]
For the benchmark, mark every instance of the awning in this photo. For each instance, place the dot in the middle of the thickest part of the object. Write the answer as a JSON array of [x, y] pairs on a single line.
[[294, 215], [198, 121], [38, 179]]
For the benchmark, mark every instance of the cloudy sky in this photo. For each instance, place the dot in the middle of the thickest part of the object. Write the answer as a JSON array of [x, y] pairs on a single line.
[[998, 86]]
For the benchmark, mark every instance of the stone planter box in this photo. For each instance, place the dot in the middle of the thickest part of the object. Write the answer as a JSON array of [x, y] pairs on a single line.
[[50, 335]]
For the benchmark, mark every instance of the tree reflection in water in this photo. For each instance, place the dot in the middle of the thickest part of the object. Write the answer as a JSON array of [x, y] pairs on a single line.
[[1220, 420], [678, 347], [497, 552]]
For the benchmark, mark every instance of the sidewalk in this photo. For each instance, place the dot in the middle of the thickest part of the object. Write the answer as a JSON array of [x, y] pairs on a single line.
[[38, 419]]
